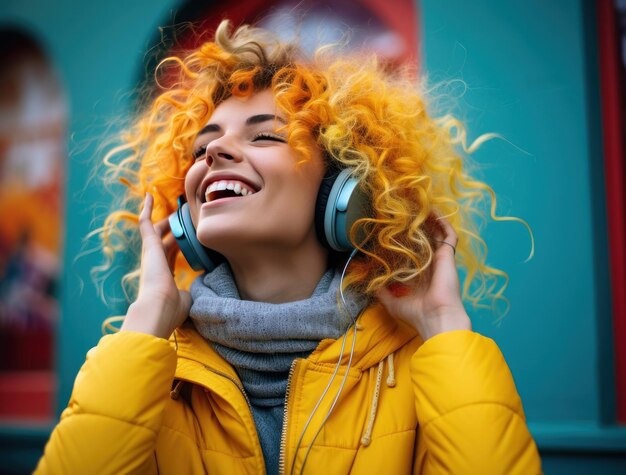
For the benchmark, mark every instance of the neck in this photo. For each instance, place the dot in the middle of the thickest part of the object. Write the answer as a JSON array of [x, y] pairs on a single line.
[[276, 276]]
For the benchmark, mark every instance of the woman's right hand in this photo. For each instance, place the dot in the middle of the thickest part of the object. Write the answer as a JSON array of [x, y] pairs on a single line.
[[160, 306]]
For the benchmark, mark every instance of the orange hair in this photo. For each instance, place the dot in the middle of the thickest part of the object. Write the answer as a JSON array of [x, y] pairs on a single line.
[[360, 114]]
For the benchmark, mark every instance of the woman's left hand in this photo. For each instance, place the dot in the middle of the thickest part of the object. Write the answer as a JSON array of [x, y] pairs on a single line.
[[435, 306]]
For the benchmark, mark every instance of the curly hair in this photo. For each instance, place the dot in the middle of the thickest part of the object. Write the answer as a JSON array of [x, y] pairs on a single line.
[[362, 115]]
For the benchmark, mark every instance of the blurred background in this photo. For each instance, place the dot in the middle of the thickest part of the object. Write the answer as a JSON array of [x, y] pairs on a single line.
[[548, 75]]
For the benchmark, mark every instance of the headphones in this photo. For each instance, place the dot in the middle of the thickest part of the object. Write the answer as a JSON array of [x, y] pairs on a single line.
[[340, 202]]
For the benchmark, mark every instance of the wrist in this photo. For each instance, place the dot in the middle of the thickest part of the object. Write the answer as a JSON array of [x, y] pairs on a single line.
[[144, 317], [442, 323]]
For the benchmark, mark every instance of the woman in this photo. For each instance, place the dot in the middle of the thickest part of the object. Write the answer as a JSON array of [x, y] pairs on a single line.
[[296, 357]]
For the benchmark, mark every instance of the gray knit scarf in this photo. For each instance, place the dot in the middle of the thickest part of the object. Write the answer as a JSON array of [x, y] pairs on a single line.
[[261, 340]]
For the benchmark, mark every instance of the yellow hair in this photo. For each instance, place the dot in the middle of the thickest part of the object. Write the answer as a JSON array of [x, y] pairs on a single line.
[[363, 116]]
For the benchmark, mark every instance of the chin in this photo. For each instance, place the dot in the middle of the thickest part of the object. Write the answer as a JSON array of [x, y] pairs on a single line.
[[212, 232]]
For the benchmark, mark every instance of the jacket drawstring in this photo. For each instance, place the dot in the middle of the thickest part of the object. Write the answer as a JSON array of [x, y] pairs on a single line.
[[391, 382], [367, 435], [391, 377], [175, 393]]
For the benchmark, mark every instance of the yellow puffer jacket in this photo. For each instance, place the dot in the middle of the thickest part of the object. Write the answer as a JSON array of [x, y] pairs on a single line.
[[449, 405]]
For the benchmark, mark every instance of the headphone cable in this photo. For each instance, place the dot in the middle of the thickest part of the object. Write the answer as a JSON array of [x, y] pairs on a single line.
[[337, 366]]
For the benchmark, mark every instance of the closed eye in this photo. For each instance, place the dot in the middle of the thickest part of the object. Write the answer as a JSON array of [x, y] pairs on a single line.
[[268, 136], [200, 152]]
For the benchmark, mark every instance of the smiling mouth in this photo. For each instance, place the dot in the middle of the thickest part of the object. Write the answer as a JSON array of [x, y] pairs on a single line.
[[227, 189]]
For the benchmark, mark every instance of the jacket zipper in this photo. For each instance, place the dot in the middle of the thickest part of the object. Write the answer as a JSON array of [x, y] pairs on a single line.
[[283, 437], [240, 387], [234, 381]]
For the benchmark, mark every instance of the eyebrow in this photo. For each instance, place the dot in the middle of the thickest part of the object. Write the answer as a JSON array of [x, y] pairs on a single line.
[[252, 120]]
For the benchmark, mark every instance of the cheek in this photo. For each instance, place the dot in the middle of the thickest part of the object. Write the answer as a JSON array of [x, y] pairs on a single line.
[[291, 197], [304, 182], [193, 180], [303, 190]]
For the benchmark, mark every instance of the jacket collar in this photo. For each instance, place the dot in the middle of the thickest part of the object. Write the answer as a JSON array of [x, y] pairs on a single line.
[[377, 336]]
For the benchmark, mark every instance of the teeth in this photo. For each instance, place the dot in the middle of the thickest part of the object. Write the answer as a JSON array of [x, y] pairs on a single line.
[[237, 187]]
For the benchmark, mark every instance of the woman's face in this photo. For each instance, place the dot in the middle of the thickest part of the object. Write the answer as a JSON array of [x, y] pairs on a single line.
[[246, 189]]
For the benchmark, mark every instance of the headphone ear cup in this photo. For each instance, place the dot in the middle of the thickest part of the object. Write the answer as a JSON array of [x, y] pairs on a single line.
[[320, 206], [340, 203], [183, 230]]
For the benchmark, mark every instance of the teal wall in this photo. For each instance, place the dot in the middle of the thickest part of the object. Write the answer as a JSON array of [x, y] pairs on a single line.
[[98, 49], [527, 79], [528, 71]]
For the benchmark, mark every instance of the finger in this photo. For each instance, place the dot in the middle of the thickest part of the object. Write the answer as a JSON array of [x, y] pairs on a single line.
[[162, 227], [153, 261], [433, 227], [449, 234], [171, 249], [444, 239], [444, 271], [146, 228], [169, 243], [150, 237]]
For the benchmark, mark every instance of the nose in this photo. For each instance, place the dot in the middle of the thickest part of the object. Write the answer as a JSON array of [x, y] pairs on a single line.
[[222, 149]]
